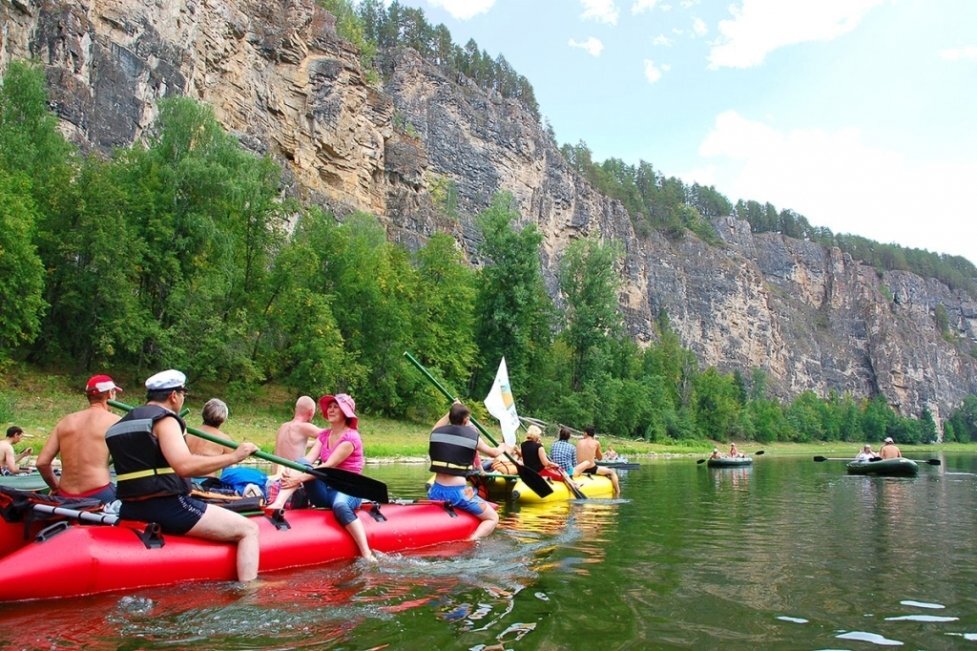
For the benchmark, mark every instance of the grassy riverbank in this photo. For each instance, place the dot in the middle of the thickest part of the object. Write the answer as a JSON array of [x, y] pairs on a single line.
[[36, 401]]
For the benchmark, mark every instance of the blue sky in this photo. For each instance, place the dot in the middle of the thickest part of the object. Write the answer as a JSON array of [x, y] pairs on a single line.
[[860, 115]]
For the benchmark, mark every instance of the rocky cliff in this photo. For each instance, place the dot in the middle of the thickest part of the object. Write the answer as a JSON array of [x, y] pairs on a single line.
[[279, 78]]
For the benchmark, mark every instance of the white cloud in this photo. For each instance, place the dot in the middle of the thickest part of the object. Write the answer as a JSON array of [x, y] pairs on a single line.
[[641, 6], [837, 180], [601, 11], [592, 46], [463, 9], [653, 72], [699, 27], [663, 40], [759, 27], [966, 53]]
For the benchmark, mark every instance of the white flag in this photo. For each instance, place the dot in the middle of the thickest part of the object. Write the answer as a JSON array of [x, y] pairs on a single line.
[[500, 404]]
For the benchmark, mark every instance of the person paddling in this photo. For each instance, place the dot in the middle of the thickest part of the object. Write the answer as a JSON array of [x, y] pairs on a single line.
[[452, 448], [153, 466]]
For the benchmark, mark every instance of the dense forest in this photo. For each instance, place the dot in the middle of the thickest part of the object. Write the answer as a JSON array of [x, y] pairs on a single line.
[[654, 201], [180, 252]]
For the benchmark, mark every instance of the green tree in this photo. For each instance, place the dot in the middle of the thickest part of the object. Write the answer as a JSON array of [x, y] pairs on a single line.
[[590, 284], [20, 267], [513, 311], [716, 406], [444, 310]]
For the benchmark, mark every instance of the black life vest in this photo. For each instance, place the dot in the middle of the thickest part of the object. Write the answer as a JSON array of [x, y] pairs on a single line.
[[452, 449], [141, 469]]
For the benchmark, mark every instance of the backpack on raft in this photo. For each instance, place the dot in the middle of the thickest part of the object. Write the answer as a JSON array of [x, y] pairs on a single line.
[[249, 482]]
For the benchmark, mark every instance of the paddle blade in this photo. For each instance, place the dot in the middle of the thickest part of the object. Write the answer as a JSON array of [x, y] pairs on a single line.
[[700, 461], [820, 458], [353, 484], [758, 453], [536, 483], [573, 487], [934, 462]]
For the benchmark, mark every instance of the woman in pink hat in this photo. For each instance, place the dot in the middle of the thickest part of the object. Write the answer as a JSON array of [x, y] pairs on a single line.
[[338, 446]]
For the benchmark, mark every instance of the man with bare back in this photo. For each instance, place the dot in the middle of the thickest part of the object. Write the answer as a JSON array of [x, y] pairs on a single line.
[[588, 449], [293, 437], [79, 438]]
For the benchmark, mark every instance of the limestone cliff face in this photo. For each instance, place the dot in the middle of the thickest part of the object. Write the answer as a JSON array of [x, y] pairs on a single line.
[[280, 79]]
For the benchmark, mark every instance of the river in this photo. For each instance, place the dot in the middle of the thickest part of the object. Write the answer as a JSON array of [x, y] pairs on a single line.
[[787, 554]]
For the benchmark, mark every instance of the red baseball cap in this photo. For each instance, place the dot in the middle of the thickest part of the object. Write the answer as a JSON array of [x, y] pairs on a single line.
[[101, 384]]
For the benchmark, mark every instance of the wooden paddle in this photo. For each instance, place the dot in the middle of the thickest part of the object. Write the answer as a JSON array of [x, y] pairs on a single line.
[[343, 481], [530, 477], [756, 454]]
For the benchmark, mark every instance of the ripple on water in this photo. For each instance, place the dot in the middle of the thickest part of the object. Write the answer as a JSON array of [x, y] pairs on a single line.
[[869, 637], [920, 618], [921, 604]]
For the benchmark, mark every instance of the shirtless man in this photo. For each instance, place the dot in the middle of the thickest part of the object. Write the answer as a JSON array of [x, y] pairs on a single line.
[[889, 449], [9, 459], [79, 438], [214, 414], [292, 439], [588, 449]]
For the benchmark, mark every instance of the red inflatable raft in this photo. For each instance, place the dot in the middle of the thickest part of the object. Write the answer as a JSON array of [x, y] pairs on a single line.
[[75, 557]]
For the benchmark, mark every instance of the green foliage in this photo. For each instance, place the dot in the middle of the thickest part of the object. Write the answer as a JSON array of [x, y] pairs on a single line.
[[716, 406], [513, 311], [20, 267], [942, 320], [590, 284], [444, 193], [399, 26], [350, 27]]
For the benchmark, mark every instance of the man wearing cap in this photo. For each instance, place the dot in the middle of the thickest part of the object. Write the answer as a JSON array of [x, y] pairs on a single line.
[[153, 464], [889, 449], [79, 438], [9, 459]]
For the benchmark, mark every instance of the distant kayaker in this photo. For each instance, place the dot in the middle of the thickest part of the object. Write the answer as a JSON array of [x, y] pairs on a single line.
[[79, 439], [154, 463], [9, 458], [452, 448], [338, 446], [889, 449], [588, 449], [866, 454]]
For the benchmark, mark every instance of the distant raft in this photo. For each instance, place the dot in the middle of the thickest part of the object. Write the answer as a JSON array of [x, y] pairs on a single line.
[[884, 468]]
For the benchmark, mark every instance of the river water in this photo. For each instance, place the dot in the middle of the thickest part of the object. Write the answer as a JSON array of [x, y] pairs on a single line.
[[787, 554]]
